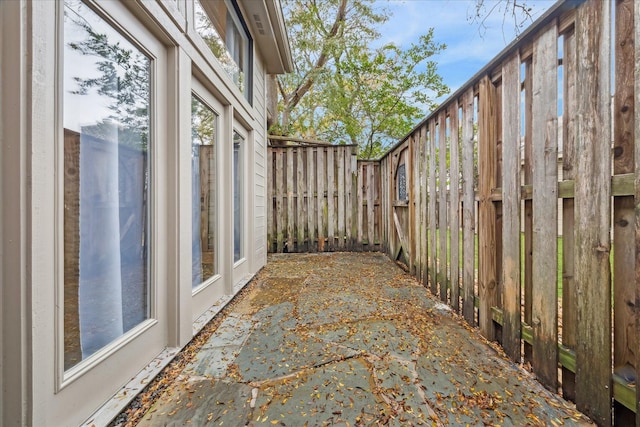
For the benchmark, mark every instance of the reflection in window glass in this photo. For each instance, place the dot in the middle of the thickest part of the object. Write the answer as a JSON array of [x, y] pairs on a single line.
[[106, 183], [221, 29], [203, 136], [402, 183], [238, 182]]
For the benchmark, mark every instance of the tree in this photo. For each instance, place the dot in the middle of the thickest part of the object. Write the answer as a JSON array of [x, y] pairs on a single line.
[[518, 11], [345, 91]]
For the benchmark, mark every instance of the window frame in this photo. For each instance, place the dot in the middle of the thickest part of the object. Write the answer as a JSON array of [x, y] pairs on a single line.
[[201, 93], [116, 16], [238, 18]]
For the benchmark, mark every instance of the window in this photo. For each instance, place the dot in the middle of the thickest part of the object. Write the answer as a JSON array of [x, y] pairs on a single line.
[[107, 186], [402, 183], [220, 26], [203, 137], [238, 182]]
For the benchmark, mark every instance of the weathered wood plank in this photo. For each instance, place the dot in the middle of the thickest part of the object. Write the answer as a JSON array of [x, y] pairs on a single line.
[[511, 206], [454, 212], [593, 212], [421, 209], [331, 199], [291, 219], [443, 220], [545, 207], [322, 200], [280, 194], [487, 274], [569, 322], [424, 214], [361, 210], [301, 204], [625, 338], [370, 206], [412, 170], [312, 208], [528, 204], [636, 56], [271, 229], [341, 197], [377, 206], [433, 226], [348, 202], [468, 209]]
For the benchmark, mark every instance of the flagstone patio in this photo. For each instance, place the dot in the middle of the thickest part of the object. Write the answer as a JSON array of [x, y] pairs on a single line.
[[350, 339]]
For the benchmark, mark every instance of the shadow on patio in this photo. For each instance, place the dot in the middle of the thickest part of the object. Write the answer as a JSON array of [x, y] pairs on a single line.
[[349, 339]]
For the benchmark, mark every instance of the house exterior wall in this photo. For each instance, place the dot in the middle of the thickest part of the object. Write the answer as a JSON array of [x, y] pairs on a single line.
[[36, 387]]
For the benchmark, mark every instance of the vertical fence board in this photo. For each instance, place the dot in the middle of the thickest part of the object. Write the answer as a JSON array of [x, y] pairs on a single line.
[[361, 169], [625, 339], [348, 202], [271, 231], [412, 170], [487, 275], [636, 264], [433, 226], [312, 202], [280, 192], [301, 204], [468, 208], [290, 201], [322, 201], [545, 207], [528, 204], [569, 322], [422, 211], [370, 206], [341, 198], [443, 219], [454, 167], [511, 206], [331, 201], [592, 209]]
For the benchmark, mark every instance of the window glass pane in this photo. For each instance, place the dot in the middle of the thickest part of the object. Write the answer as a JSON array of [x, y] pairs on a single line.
[[106, 183], [221, 29], [402, 183], [203, 136], [238, 182]]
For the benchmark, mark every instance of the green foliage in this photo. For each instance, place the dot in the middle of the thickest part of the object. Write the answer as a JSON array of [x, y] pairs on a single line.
[[344, 90]]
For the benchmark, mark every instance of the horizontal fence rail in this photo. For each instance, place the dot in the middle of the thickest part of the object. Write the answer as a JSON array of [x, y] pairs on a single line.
[[516, 202]]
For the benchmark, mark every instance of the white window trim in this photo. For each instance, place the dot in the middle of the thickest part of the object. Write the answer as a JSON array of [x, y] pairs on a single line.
[[212, 103], [118, 17]]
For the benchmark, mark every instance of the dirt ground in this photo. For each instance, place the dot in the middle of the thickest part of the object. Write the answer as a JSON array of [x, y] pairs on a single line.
[[347, 339]]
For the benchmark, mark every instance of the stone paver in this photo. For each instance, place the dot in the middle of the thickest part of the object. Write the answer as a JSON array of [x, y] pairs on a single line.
[[350, 339]]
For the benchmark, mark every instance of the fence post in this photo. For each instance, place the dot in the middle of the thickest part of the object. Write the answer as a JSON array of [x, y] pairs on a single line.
[[593, 212]]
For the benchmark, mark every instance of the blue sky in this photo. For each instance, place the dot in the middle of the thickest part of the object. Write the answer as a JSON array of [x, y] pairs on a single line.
[[469, 47]]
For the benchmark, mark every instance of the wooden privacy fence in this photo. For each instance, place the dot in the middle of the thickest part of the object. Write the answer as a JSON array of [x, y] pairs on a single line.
[[322, 199], [517, 202], [484, 192]]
